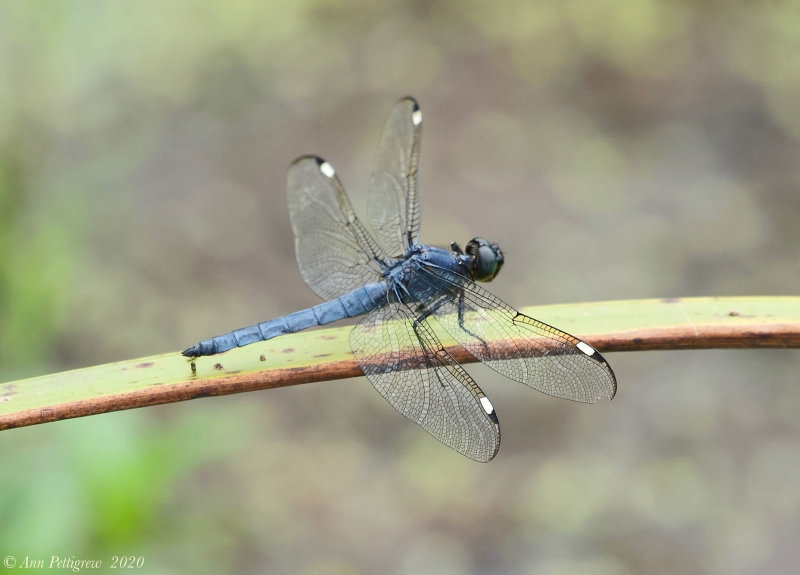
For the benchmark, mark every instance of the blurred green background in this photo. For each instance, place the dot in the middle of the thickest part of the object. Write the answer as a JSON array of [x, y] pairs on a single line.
[[626, 149]]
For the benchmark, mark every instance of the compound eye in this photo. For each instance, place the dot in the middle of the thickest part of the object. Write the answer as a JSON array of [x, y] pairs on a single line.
[[485, 266]]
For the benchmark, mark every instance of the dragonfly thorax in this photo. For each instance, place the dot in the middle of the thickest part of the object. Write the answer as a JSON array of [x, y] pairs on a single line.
[[406, 280]]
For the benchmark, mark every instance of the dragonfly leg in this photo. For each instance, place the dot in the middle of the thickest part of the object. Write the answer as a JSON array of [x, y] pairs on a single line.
[[430, 310], [425, 337], [462, 326]]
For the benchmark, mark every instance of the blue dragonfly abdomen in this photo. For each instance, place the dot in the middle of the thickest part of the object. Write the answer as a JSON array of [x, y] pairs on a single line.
[[356, 303]]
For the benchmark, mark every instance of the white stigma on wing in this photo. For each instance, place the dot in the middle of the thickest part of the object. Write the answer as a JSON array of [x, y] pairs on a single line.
[[327, 169]]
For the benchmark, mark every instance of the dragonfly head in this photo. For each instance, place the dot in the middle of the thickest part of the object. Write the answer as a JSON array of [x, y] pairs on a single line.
[[484, 259]]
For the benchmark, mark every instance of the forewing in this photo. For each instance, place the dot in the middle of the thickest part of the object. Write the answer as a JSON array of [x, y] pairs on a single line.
[[335, 252], [417, 376], [520, 347], [393, 208]]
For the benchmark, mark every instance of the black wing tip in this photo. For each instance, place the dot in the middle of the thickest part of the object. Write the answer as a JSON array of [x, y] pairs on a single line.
[[592, 354], [600, 359], [412, 100], [308, 157]]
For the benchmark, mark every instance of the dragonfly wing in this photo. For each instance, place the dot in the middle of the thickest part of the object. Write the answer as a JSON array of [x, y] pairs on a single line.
[[335, 252], [393, 207], [408, 365], [522, 348]]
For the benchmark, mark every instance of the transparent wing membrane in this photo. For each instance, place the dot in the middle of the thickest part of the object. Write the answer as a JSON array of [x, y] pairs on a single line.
[[335, 252], [522, 348], [393, 208], [408, 365]]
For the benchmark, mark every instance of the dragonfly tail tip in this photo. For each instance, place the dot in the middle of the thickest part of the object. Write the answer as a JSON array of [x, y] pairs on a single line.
[[191, 352]]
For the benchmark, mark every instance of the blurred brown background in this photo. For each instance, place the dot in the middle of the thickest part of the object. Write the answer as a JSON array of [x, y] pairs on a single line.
[[628, 149]]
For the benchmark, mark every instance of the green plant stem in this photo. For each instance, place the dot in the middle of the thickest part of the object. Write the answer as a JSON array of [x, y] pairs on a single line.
[[322, 355]]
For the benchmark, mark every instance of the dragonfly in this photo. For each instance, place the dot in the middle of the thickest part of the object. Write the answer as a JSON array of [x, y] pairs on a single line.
[[411, 295]]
